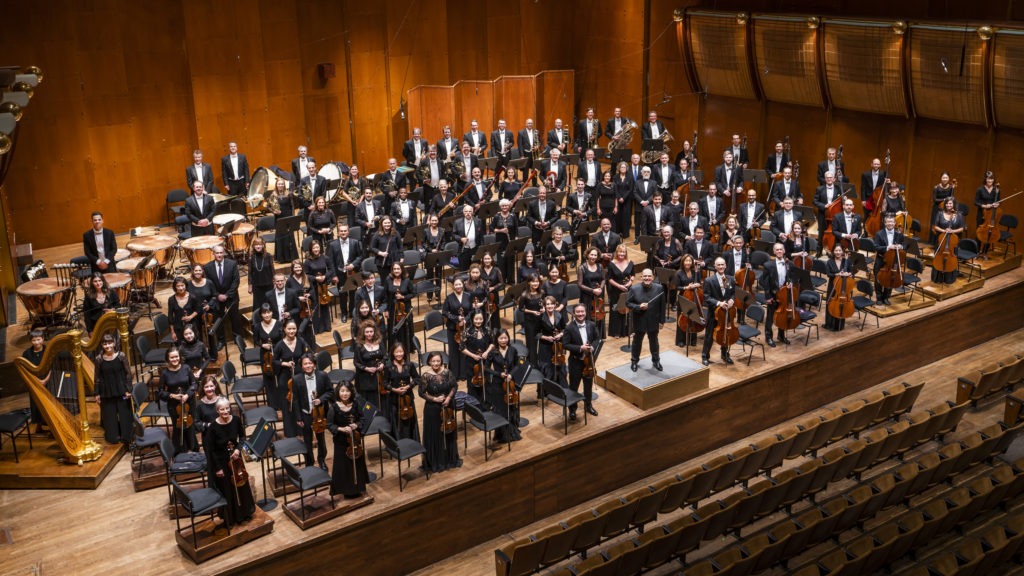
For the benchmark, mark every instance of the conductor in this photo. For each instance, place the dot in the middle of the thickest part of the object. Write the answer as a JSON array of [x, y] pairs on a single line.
[[646, 302]]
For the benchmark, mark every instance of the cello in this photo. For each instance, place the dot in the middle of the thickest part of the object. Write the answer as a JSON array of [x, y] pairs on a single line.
[[890, 275], [787, 315], [840, 300], [695, 295], [944, 259], [727, 332], [746, 279]]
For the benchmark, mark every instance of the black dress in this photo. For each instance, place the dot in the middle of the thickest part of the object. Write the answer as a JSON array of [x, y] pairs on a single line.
[[616, 321], [498, 362], [215, 442], [272, 337], [671, 254], [623, 186], [92, 309], [955, 223], [556, 290], [321, 313], [176, 313], [450, 309], [531, 322], [832, 270], [302, 287], [442, 449], [476, 342], [282, 353], [195, 355], [494, 282], [549, 326], [179, 381], [205, 414], [111, 380], [261, 278], [684, 279], [591, 279], [284, 244], [348, 475], [525, 272], [606, 201], [366, 383], [390, 245], [321, 219], [404, 288], [397, 378], [939, 195], [204, 295]]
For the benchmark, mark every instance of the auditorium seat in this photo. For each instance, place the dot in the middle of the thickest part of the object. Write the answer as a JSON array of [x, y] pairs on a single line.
[[909, 397], [729, 474], [755, 459], [823, 432], [560, 538], [677, 489], [631, 557], [649, 501], [591, 526], [597, 565], [662, 543], [806, 427], [846, 414], [868, 413], [779, 450], [519, 558], [619, 513]]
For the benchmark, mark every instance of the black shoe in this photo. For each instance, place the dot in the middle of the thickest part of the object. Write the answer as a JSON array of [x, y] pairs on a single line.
[[770, 342], [590, 410], [637, 241], [220, 346], [888, 302], [632, 366], [344, 318], [705, 360], [784, 340], [727, 359], [323, 465], [657, 366], [572, 416]]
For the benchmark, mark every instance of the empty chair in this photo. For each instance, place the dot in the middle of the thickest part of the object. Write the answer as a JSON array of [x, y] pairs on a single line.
[[868, 412], [676, 490], [909, 397], [619, 513], [649, 501], [309, 478], [562, 396], [401, 450], [864, 300], [560, 538], [520, 557], [198, 502], [486, 422], [248, 385], [249, 356], [591, 528]]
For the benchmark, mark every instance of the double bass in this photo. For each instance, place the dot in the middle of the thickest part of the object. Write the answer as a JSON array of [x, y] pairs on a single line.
[[890, 275], [840, 300], [787, 315], [876, 202]]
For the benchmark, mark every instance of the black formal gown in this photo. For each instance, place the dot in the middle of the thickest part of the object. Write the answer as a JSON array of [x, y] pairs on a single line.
[[832, 269], [396, 377], [348, 473], [285, 249], [92, 309], [366, 383], [177, 311], [549, 326], [495, 283], [450, 309], [476, 342], [215, 442], [683, 279], [404, 334], [556, 290], [204, 295], [939, 195], [531, 323], [617, 322], [954, 223], [272, 336], [261, 278], [284, 353], [591, 279], [179, 381], [497, 362], [442, 449], [112, 380]]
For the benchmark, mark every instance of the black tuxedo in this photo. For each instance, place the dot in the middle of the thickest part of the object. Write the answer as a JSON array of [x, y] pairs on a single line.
[[682, 177], [597, 241], [839, 225], [303, 412], [747, 213], [92, 252], [363, 219], [713, 294], [553, 139], [409, 151], [226, 284], [510, 143], [665, 182], [296, 169], [778, 222], [477, 192], [460, 231], [317, 185], [338, 262], [651, 225], [195, 214], [647, 321], [573, 340], [772, 165], [644, 190], [559, 169], [582, 172], [190, 177], [533, 217], [686, 229], [444, 149], [881, 247], [581, 135], [823, 168], [731, 264], [771, 282], [735, 177], [645, 130], [702, 254], [868, 184], [821, 202], [379, 297], [396, 215], [778, 192], [739, 155], [479, 141], [398, 180], [470, 162], [291, 303], [609, 126], [720, 209], [524, 142], [572, 203], [235, 182]]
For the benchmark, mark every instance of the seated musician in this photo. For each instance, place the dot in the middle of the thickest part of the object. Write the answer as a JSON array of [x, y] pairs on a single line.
[[469, 232], [445, 196], [541, 214], [886, 239], [606, 241], [751, 214], [688, 224], [700, 247], [477, 191], [99, 245], [403, 212], [787, 187], [776, 275], [893, 202]]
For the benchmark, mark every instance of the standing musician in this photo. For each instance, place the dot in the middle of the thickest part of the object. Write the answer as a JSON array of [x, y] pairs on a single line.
[[836, 267], [266, 333], [556, 287], [620, 278], [479, 191], [476, 346], [886, 239], [529, 140], [824, 196], [588, 132], [346, 256], [688, 277], [501, 144], [643, 192], [400, 375], [445, 196], [558, 139], [260, 271], [414, 150], [354, 185], [788, 187], [300, 282], [701, 248], [580, 204], [202, 290], [869, 181], [494, 281], [686, 151], [476, 139], [287, 355], [647, 302], [282, 300], [319, 270], [580, 338], [728, 174], [437, 388], [952, 222], [622, 183], [234, 170], [777, 161], [542, 214], [589, 171], [469, 232], [559, 251], [321, 222], [316, 184], [300, 166], [100, 245], [510, 186], [689, 224], [456, 310], [223, 274], [369, 362], [199, 171], [392, 181], [739, 151], [606, 203], [752, 214], [434, 238], [591, 279], [199, 209], [782, 220], [736, 257], [375, 296], [653, 129], [431, 171], [719, 292], [665, 176], [399, 294], [282, 205], [311, 388], [500, 363], [504, 225], [552, 324], [476, 287], [675, 209], [606, 241], [112, 384], [447, 147], [386, 245], [177, 389], [944, 189], [403, 212], [615, 124], [712, 206], [776, 275], [668, 250], [468, 160], [832, 164], [531, 304], [344, 419], [554, 164], [221, 443], [684, 175], [846, 226], [893, 202], [986, 197], [368, 212], [796, 241]]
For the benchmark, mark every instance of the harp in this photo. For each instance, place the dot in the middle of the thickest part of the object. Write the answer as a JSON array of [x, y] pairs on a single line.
[[72, 432]]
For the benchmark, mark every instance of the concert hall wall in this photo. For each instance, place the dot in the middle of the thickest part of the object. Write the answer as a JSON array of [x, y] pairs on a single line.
[[132, 87]]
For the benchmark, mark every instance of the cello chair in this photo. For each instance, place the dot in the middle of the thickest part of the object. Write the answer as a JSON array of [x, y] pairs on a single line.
[[864, 300], [966, 252], [748, 333], [1009, 224]]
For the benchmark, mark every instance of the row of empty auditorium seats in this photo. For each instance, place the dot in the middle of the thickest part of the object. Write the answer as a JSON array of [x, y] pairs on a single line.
[[992, 379], [694, 483], [918, 504]]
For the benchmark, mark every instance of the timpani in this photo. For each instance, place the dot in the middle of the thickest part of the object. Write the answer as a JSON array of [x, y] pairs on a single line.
[[199, 250], [241, 236], [143, 278], [121, 254], [122, 283], [159, 246], [45, 299]]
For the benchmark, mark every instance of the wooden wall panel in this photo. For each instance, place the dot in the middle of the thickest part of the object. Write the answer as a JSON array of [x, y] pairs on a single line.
[[724, 117], [282, 66], [515, 100], [504, 40], [786, 53], [474, 100], [467, 58], [326, 121], [546, 35], [430, 109], [867, 136], [807, 138], [1007, 74], [555, 97], [413, 30]]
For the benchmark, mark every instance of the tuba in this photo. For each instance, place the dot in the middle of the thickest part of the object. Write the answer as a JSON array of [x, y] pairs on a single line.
[[651, 156], [623, 138]]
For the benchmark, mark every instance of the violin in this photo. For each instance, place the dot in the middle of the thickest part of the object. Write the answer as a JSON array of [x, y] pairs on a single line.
[[381, 389], [239, 475], [406, 410], [478, 375], [787, 315], [840, 301], [891, 273], [319, 419], [597, 311], [184, 414], [492, 302], [460, 329], [726, 331], [448, 422], [267, 362], [588, 364], [558, 353], [945, 259], [354, 449], [323, 293], [695, 295], [306, 309], [289, 395], [401, 310]]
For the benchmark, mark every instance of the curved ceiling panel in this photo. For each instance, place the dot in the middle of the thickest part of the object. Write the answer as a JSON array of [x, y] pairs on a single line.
[[719, 47], [786, 56], [947, 74], [863, 69], [1008, 79]]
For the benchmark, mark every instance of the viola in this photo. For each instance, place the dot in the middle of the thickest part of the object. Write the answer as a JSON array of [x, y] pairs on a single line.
[[319, 419], [381, 389], [306, 309], [355, 442], [184, 415], [267, 362], [945, 259], [406, 410], [558, 353], [787, 315], [448, 422], [289, 395], [492, 302], [840, 301], [401, 310], [323, 293], [478, 375], [510, 392], [597, 311], [891, 273], [726, 331], [588, 365]]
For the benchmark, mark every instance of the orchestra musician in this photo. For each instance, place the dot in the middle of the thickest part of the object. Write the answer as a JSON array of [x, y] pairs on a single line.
[[580, 205], [776, 274], [431, 170], [344, 418], [556, 287], [838, 266], [300, 165], [686, 151], [688, 277], [476, 287], [202, 290], [354, 185], [468, 160], [591, 279], [437, 388], [646, 301], [847, 226], [643, 191], [655, 217], [510, 186], [206, 406], [321, 222], [234, 171], [476, 139], [200, 172], [34, 354], [287, 353], [554, 164], [620, 278], [615, 124], [606, 241], [222, 443], [398, 287], [948, 221], [346, 256], [664, 175], [787, 187], [456, 310], [796, 241], [502, 143], [736, 256], [199, 209], [282, 205], [782, 220], [622, 183], [363, 314], [445, 195], [317, 186], [689, 224], [588, 132], [700, 247], [99, 298], [223, 274], [193, 352], [712, 206], [869, 181], [469, 232], [478, 193], [832, 164], [893, 202], [403, 212], [728, 174], [558, 139], [985, 198], [668, 250], [267, 331], [531, 304], [434, 238], [719, 292], [476, 346], [529, 140], [500, 363], [730, 228], [777, 160], [177, 387], [447, 147], [589, 171], [580, 337], [607, 206], [375, 296], [886, 239], [368, 212], [386, 244], [752, 214], [400, 376], [653, 129], [675, 209], [685, 175], [739, 152], [944, 189], [99, 245], [542, 214], [559, 250], [823, 196], [414, 150], [319, 270], [260, 271], [311, 388], [112, 384], [369, 360], [552, 324], [393, 181]]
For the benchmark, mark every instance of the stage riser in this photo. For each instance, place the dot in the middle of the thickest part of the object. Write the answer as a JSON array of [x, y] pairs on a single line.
[[503, 500]]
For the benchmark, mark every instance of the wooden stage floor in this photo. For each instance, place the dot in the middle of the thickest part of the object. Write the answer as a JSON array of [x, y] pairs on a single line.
[[545, 473]]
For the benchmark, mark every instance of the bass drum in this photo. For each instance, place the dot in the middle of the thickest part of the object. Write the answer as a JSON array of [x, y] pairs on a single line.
[[258, 187], [333, 173]]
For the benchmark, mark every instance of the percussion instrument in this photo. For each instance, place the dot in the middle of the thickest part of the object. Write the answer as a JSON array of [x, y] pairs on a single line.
[[121, 254], [263, 182], [199, 250], [143, 277], [45, 297], [332, 175], [222, 220], [160, 247], [241, 236], [141, 231], [121, 283]]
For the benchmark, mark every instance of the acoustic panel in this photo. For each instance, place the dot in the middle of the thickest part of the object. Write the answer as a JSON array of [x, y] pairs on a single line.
[[1008, 79], [786, 57], [719, 46], [947, 75], [863, 69]]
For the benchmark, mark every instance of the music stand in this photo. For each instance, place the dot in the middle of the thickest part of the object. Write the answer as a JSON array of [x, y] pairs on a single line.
[[558, 198], [489, 163], [693, 315], [413, 235], [339, 209], [587, 229], [666, 277], [518, 163], [807, 213], [288, 226], [519, 375], [755, 175], [493, 248], [434, 259], [652, 145], [257, 445], [621, 308], [515, 247], [523, 204], [621, 155], [487, 210], [647, 243]]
